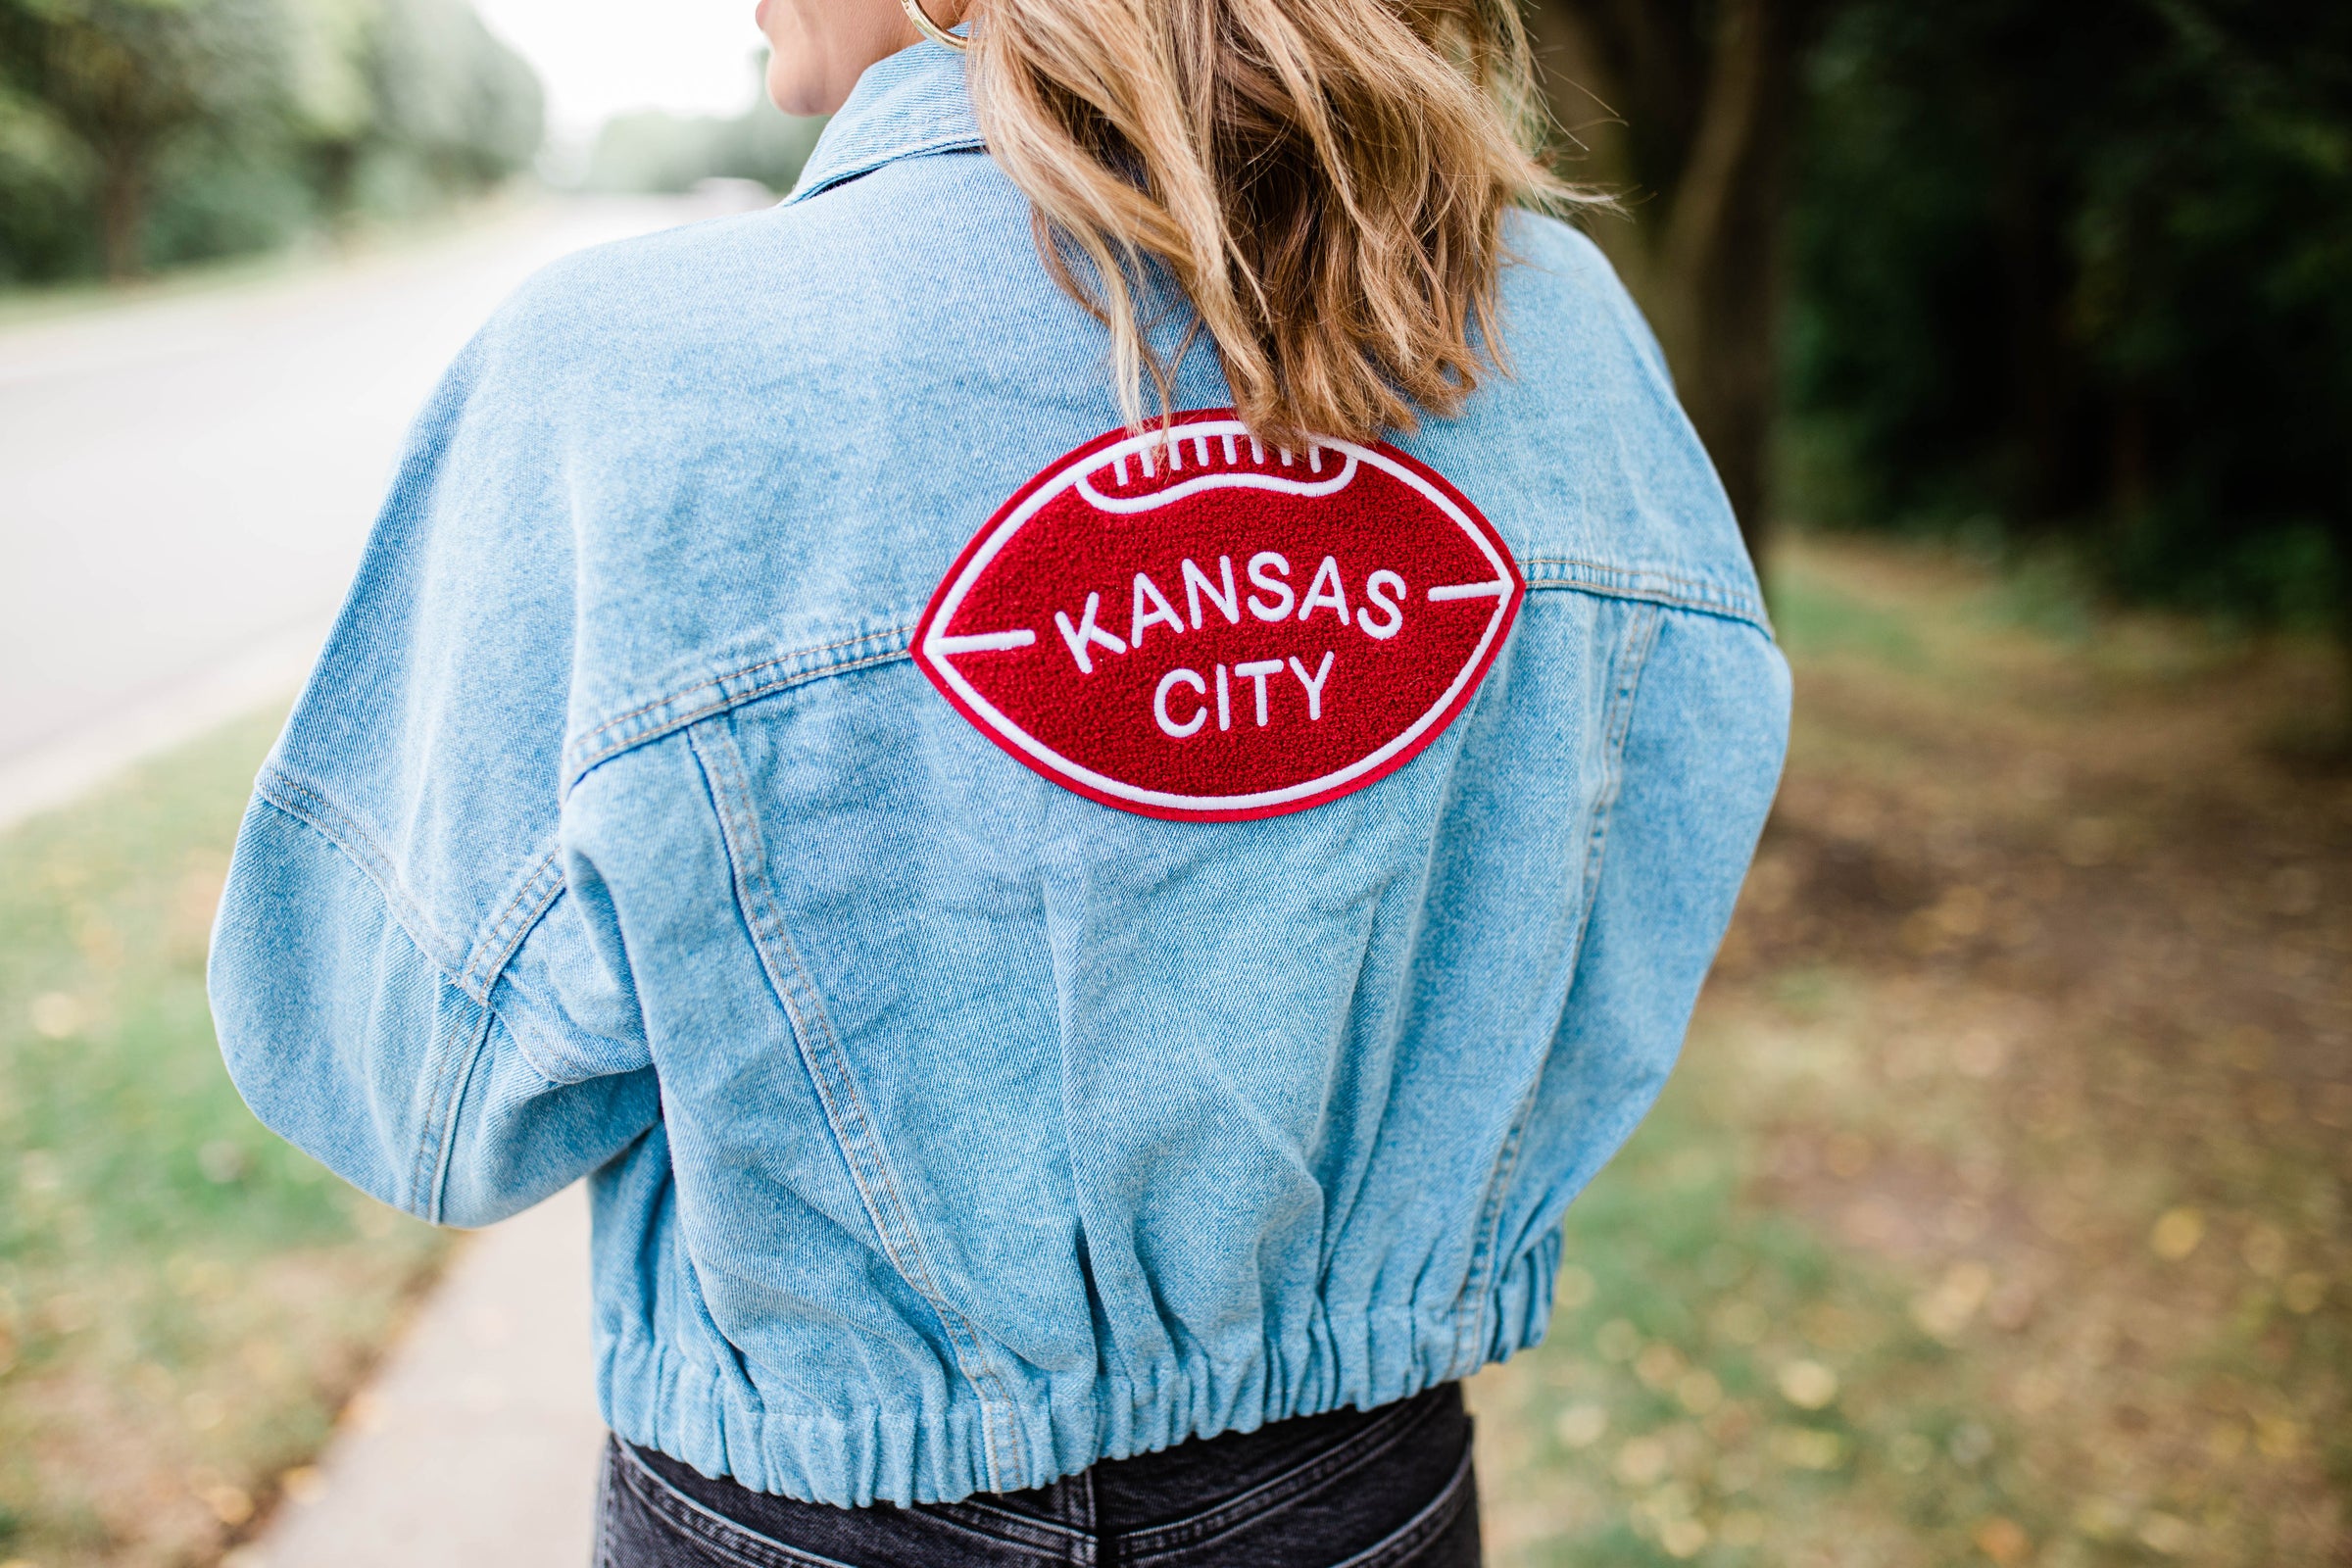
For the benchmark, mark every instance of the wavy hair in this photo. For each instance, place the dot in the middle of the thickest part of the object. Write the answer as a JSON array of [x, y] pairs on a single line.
[[1325, 179]]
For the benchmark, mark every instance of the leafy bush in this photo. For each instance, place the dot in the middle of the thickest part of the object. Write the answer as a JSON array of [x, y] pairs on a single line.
[[653, 153], [138, 133], [2086, 283]]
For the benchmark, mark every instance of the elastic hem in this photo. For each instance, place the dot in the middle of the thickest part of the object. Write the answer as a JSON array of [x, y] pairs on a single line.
[[888, 1446]]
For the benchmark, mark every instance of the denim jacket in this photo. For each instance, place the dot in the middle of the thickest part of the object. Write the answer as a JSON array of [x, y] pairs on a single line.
[[946, 1129]]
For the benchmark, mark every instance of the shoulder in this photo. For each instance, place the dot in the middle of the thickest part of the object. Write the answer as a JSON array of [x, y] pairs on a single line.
[[802, 282], [1579, 447], [632, 293], [1564, 300]]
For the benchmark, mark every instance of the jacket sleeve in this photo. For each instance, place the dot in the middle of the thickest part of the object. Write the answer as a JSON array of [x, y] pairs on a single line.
[[410, 979], [1704, 738]]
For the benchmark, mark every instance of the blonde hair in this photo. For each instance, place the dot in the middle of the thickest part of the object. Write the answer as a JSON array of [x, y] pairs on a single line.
[[1325, 179]]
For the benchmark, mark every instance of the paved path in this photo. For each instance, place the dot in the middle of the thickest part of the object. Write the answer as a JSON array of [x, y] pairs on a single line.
[[476, 1444], [186, 481], [185, 487]]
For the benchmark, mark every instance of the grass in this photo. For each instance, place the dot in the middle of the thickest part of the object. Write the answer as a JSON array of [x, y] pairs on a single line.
[[184, 1299], [26, 305], [1999, 1213]]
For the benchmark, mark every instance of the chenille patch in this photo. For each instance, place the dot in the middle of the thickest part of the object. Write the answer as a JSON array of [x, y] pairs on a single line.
[[1190, 623]]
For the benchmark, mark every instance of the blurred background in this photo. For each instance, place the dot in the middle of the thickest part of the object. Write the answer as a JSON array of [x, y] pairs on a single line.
[[1998, 1213]]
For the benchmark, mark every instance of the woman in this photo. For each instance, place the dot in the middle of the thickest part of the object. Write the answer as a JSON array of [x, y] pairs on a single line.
[[1085, 772]]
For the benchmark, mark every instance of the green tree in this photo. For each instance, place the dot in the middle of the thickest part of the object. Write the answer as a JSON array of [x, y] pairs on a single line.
[[44, 175], [1685, 106], [2090, 276], [654, 152], [331, 105], [140, 132], [448, 96], [129, 77]]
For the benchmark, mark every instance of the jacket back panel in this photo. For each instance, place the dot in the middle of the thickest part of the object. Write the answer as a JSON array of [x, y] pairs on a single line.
[[951, 1131]]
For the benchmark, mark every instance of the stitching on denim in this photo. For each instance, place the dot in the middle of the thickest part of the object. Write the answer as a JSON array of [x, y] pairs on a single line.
[[448, 1065], [1003, 1527], [1610, 590], [1469, 1352], [473, 973], [604, 1505], [1632, 660], [714, 1530], [527, 1002], [1705, 598], [991, 1519], [1395, 1424], [318, 812], [962, 140], [1699, 585], [844, 1111], [798, 653], [532, 898], [1418, 1531], [441, 1132], [677, 722]]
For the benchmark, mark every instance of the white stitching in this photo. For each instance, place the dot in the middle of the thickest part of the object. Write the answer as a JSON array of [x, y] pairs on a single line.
[[1641, 637], [852, 1125]]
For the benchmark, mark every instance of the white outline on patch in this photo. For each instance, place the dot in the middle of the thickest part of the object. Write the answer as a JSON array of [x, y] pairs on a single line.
[[939, 647]]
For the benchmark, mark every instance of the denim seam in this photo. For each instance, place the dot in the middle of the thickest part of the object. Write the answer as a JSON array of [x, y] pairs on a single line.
[[1702, 597], [533, 897], [604, 1505], [589, 762], [1003, 1526], [715, 1529], [1395, 1425], [852, 1127], [641, 1356], [315, 810], [449, 1062], [553, 1062], [477, 974], [1699, 585], [739, 672], [1418, 1531], [440, 1137], [1632, 659], [865, 164]]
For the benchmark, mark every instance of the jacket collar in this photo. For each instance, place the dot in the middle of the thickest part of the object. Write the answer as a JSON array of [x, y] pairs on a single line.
[[912, 103]]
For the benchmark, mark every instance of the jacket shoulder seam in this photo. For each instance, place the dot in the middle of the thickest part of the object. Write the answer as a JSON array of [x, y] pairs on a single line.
[[1577, 574], [717, 694], [319, 812], [449, 1070], [474, 970]]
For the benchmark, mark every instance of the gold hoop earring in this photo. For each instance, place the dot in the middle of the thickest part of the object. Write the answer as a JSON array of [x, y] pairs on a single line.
[[932, 30]]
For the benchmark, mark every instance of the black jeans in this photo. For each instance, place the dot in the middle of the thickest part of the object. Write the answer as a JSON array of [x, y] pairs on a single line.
[[1385, 1488]]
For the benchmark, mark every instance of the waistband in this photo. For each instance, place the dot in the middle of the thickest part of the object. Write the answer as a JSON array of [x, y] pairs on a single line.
[[1290, 1482]]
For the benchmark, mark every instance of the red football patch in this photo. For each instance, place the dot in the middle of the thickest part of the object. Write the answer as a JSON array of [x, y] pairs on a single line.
[[1191, 624]]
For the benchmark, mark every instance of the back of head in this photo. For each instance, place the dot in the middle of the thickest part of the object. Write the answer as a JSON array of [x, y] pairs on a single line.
[[1325, 179]]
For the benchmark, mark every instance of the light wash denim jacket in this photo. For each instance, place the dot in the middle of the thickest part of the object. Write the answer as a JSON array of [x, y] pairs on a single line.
[[947, 1131]]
